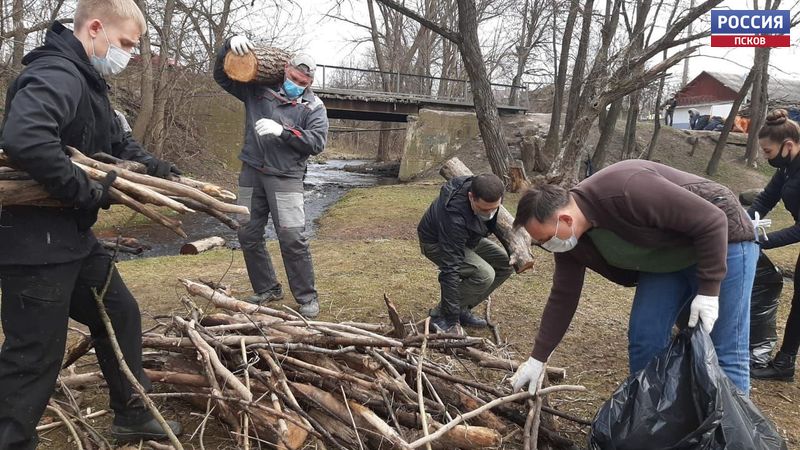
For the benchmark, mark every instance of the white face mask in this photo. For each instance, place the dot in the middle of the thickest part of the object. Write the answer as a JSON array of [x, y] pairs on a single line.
[[487, 217], [115, 61], [558, 245]]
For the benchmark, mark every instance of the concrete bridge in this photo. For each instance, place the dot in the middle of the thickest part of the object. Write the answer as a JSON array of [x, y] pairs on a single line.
[[399, 94]]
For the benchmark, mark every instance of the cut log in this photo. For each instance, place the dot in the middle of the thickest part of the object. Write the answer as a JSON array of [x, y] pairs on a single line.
[[193, 248], [263, 65], [519, 179], [517, 240]]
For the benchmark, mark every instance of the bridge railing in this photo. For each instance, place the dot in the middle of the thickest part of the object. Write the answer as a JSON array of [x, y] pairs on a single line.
[[398, 85]]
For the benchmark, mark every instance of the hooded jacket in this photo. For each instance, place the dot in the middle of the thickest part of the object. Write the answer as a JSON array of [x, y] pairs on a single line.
[[58, 100], [304, 120]]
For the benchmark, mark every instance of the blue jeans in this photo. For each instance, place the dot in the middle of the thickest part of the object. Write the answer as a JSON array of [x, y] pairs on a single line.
[[661, 297]]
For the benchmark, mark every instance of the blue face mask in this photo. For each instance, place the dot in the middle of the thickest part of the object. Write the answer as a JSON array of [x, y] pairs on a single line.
[[291, 89]]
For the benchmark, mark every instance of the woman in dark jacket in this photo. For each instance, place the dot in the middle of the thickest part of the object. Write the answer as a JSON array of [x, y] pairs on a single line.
[[779, 138]]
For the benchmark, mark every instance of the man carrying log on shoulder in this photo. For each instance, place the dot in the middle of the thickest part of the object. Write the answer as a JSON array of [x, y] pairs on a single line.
[[50, 260], [452, 234], [683, 241], [284, 125]]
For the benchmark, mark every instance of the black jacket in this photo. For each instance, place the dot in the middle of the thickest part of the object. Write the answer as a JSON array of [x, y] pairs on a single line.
[[58, 100], [784, 185], [451, 223]]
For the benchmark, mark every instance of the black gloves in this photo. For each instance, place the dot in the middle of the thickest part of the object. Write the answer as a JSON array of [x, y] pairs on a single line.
[[161, 169], [87, 214]]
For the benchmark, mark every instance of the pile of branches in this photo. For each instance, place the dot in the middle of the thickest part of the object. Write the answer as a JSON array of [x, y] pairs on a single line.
[[132, 188], [278, 380]]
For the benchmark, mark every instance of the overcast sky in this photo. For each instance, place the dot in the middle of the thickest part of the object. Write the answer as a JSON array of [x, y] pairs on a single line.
[[328, 41]]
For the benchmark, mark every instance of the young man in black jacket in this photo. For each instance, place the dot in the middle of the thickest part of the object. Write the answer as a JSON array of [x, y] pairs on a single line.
[[452, 234], [50, 260]]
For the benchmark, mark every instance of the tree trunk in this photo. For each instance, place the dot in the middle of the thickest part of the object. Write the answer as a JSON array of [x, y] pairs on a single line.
[[18, 19], [713, 163], [146, 81], [553, 140], [157, 131], [656, 121], [264, 65], [485, 105], [578, 69], [758, 103], [629, 139], [609, 127], [196, 247], [516, 240]]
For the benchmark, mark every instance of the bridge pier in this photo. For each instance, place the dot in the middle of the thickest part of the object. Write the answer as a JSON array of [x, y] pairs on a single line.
[[432, 137]]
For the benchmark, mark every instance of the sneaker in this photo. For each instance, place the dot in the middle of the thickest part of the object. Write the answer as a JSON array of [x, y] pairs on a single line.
[[309, 310], [150, 430], [781, 368], [271, 295], [469, 319]]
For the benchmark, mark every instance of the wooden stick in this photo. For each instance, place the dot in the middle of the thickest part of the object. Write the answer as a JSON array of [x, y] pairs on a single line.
[[219, 368], [245, 419], [112, 337], [179, 189], [202, 245], [423, 416], [59, 423], [53, 407], [399, 329], [208, 188], [148, 212], [507, 399]]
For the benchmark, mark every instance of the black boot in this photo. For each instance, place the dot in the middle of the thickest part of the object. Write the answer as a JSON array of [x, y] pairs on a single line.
[[780, 368], [150, 430], [468, 319]]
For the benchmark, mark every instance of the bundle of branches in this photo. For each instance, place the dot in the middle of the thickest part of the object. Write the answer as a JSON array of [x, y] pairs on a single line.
[[132, 188], [274, 377]]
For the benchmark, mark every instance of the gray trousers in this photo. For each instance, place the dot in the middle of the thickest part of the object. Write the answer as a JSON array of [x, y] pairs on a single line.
[[282, 199], [484, 269]]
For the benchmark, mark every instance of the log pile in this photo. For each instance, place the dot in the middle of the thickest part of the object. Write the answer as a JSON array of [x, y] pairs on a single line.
[[279, 380], [132, 188]]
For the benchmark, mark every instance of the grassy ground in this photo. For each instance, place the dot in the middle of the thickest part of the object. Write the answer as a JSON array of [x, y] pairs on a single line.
[[366, 248]]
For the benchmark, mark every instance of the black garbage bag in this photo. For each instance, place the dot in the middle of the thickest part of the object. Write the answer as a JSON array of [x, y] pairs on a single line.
[[764, 302], [682, 400]]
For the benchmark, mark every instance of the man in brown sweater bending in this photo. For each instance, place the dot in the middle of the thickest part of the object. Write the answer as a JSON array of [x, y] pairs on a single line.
[[682, 240]]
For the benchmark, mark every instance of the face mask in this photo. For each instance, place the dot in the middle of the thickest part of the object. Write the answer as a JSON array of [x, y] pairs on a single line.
[[292, 90], [780, 161], [114, 62], [558, 245], [486, 217]]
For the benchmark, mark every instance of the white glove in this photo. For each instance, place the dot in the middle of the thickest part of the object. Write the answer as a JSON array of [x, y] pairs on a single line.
[[268, 126], [241, 45], [706, 308], [760, 224], [528, 374]]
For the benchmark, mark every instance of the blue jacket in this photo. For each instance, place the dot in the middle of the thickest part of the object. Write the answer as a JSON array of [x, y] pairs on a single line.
[[305, 123]]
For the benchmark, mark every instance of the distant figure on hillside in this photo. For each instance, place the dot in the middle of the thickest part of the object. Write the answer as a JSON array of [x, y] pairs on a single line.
[[452, 234], [779, 138], [683, 241], [284, 125], [694, 115], [670, 104], [701, 122]]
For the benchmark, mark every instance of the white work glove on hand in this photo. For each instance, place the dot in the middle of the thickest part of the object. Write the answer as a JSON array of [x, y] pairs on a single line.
[[760, 224], [706, 308], [241, 45], [528, 374], [268, 126]]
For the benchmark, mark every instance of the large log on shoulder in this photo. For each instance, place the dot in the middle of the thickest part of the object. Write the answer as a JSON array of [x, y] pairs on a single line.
[[516, 240], [263, 65]]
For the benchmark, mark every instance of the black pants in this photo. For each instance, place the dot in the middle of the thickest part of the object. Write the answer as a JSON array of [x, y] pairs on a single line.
[[37, 302], [791, 336]]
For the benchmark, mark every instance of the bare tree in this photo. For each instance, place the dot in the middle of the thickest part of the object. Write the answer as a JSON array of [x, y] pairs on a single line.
[[468, 43], [578, 68], [552, 141], [713, 163], [600, 89]]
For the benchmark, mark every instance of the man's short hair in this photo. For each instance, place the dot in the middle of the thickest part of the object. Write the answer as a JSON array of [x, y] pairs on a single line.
[[109, 10], [540, 203], [487, 187]]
